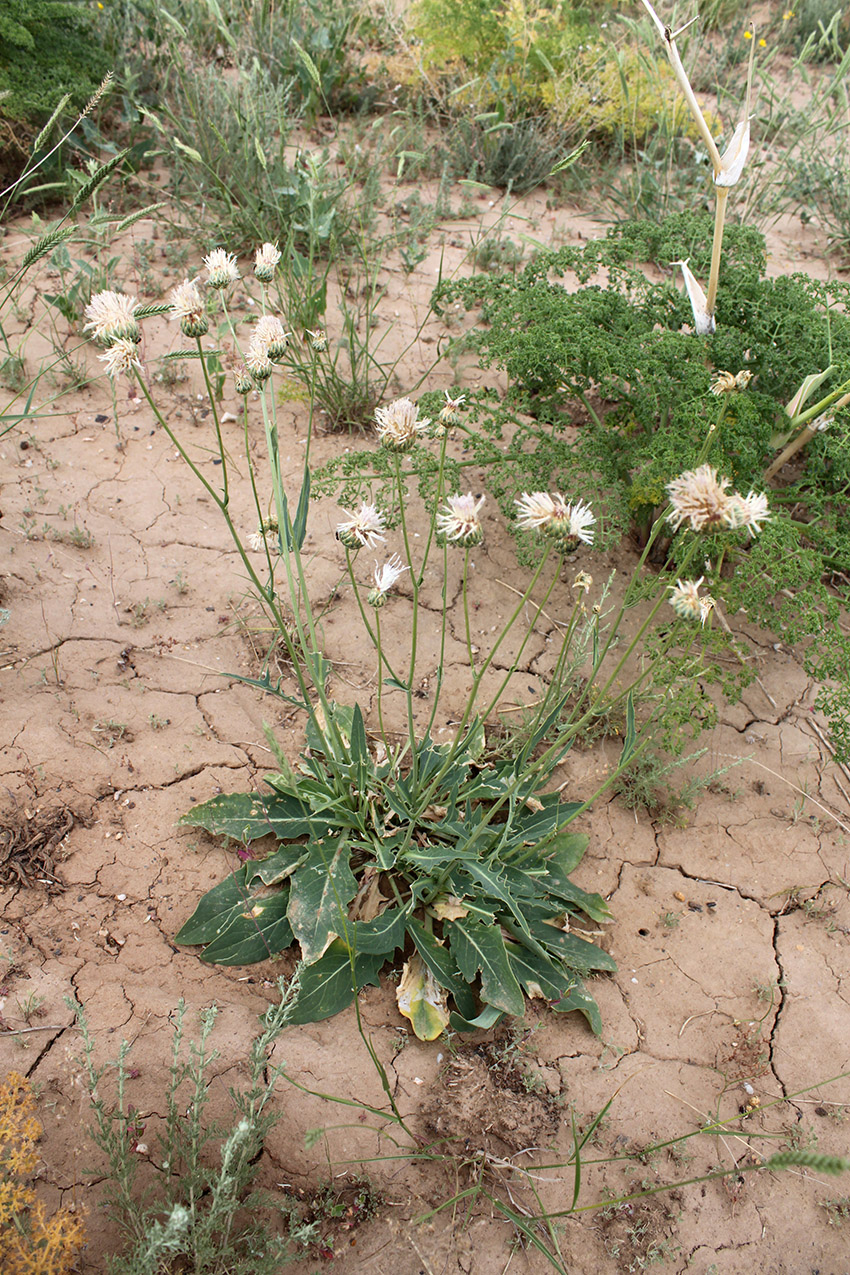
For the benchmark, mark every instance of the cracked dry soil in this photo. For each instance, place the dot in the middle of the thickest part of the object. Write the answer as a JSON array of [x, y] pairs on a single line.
[[730, 931]]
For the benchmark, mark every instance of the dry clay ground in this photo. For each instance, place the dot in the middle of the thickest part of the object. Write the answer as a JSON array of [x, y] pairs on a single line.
[[730, 930]]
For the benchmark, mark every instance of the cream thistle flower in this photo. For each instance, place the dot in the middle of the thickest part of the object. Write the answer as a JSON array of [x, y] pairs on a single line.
[[583, 581], [363, 529], [449, 415], [258, 541], [265, 262], [120, 357], [699, 497], [568, 525], [727, 383], [458, 520], [187, 305], [385, 577], [318, 340], [687, 603], [222, 268], [399, 424], [748, 511], [257, 360], [269, 333], [242, 380], [112, 317]]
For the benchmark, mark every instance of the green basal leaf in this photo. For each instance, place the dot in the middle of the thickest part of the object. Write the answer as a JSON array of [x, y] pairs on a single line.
[[537, 975], [257, 933], [577, 953], [442, 964], [579, 998], [482, 1022], [319, 895], [593, 905], [328, 985], [216, 910], [478, 947], [246, 816], [277, 867], [384, 934], [567, 850]]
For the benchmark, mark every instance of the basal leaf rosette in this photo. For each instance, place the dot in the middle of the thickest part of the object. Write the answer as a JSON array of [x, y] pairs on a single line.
[[472, 896]]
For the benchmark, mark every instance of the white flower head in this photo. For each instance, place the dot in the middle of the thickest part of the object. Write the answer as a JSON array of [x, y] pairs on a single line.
[[727, 383], [187, 305], [259, 540], [686, 601], [385, 577], [363, 529], [257, 361], [700, 499], [318, 340], [398, 425], [121, 356], [704, 324], [269, 333], [112, 317], [242, 380], [449, 415], [221, 268], [568, 525], [748, 511], [458, 521], [266, 262]]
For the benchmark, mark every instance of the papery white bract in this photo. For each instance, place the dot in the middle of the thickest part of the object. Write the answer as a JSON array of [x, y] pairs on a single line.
[[362, 529], [734, 158], [704, 324], [111, 317], [458, 521]]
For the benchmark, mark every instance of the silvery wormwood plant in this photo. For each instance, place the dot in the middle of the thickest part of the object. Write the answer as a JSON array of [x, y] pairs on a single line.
[[376, 842]]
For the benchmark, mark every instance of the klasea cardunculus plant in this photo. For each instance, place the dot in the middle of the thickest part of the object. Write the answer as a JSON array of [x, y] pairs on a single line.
[[112, 317], [362, 530], [188, 307], [121, 357], [387, 575], [222, 269], [266, 261], [459, 520], [397, 829], [399, 425], [567, 525], [700, 499]]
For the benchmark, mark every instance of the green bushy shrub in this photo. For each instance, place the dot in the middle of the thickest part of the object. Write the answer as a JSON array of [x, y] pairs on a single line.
[[47, 48]]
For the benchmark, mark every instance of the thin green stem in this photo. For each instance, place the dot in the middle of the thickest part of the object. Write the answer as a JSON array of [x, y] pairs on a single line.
[[216, 422]]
